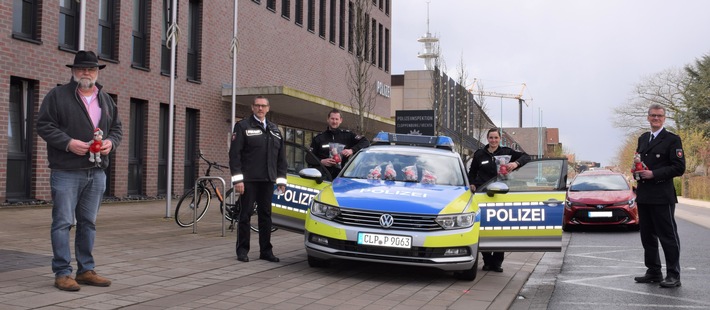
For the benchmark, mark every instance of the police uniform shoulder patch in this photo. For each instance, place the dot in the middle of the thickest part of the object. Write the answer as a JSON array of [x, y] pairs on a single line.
[[679, 153]]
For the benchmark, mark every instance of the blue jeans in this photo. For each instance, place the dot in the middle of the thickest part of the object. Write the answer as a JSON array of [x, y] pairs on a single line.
[[76, 194]]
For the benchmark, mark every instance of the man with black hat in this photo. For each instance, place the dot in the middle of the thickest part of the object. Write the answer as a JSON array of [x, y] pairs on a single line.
[[68, 118]]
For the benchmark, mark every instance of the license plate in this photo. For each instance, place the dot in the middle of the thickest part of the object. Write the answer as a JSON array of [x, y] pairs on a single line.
[[600, 214], [404, 242]]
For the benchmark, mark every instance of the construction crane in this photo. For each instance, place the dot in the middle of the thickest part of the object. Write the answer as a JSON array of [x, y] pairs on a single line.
[[518, 97]]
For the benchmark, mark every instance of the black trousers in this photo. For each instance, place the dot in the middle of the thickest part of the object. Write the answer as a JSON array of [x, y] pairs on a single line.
[[657, 223], [494, 259], [261, 193]]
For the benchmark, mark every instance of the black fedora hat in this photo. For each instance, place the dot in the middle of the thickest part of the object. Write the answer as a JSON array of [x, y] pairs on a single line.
[[86, 59]]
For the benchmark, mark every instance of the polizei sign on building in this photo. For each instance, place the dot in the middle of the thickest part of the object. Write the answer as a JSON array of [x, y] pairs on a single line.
[[416, 122]]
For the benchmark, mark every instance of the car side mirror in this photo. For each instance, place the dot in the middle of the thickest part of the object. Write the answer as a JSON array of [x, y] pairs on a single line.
[[496, 188], [311, 174]]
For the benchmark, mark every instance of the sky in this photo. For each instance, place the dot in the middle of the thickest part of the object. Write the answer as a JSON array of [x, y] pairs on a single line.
[[578, 59]]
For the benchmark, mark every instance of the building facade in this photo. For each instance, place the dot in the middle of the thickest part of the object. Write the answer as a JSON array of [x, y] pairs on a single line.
[[294, 52]]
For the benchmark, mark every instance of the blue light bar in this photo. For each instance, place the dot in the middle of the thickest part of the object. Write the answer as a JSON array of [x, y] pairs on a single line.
[[419, 140]]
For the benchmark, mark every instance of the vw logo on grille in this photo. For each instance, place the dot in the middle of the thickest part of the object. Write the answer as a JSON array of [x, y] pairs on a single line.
[[386, 220], [600, 207]]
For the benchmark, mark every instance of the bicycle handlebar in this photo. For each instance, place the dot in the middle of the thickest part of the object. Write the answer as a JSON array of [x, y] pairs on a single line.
[[212, 164]]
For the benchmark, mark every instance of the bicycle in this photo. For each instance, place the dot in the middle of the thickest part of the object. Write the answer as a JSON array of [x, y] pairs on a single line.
[[184, 216]]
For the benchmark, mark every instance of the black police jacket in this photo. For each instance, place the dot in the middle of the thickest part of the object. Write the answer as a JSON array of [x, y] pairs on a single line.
[[483, 165], [255, 154], [664, 156], [320, 146]]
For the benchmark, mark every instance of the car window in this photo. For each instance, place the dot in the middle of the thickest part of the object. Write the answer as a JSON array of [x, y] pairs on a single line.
[[545, 175], [409, 166], [599, 182]]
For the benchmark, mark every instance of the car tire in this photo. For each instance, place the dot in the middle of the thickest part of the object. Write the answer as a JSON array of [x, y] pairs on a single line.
[[317, 262], [469, 274]]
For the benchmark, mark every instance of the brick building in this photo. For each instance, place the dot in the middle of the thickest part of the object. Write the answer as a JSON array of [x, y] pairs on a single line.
[[293, 52]]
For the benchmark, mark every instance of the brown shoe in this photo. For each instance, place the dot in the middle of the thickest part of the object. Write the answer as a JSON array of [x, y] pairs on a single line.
[[66, 283], [91, 278]]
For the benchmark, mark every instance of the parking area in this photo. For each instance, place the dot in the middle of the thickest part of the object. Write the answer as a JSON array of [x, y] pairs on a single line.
[[154, 264]]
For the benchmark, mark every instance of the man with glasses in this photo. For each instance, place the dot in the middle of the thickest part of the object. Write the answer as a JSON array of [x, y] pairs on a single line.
[[662, 152], [68, 118], [257, 160]]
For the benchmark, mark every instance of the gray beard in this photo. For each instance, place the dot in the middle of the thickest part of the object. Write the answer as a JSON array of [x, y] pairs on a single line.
[[84, 83]]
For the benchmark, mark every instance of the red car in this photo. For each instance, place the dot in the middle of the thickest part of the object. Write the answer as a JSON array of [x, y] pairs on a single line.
[[600, 197]]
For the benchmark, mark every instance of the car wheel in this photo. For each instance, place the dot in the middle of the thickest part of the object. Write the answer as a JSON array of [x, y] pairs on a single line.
[[317, 262], [469, 274]]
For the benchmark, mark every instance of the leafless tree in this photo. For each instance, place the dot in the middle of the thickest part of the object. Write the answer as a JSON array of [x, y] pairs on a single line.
[[438, 90], [666, 88], [359, 76]]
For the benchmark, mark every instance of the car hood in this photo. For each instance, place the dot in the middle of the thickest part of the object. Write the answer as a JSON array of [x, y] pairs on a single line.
[[600, 197], [396, 196]]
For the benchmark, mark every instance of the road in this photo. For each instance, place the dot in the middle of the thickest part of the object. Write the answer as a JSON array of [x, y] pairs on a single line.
[[598, 267]]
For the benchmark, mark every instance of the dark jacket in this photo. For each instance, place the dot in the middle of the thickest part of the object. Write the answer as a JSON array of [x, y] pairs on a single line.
[[63, 117], [664, 156], [257, 155], [483, 164], [320, 144]]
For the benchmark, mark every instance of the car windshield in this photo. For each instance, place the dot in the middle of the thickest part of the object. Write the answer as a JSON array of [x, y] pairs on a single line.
[[599, 182], [407, 165]]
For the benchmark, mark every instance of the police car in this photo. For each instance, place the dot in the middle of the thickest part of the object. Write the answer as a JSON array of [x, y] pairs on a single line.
[[406, 200]]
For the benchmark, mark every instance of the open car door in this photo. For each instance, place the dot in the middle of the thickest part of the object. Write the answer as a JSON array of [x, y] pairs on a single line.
[[523, 211], [289, 209]]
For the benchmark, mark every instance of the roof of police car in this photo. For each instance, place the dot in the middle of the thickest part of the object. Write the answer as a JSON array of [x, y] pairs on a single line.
[[410, 149]]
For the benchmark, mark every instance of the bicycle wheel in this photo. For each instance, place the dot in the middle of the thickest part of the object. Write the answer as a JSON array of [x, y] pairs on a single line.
[[233, 212], [187, 204]]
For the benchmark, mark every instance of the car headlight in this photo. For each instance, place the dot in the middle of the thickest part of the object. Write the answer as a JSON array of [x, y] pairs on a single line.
[[323, 210], [456, 221], [629, 203]]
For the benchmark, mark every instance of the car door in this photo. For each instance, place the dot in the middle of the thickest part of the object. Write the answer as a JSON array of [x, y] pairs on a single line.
[[288, 209], [523, 211]]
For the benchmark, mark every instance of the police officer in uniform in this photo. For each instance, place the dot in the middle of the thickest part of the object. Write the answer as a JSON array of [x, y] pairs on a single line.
[[257, 160], [320, 146], [483, 168], [662, 152]]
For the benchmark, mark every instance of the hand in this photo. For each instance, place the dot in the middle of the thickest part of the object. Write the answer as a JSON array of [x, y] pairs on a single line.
[[512, 166], [328, 162], [106, 147], [239, 188], [78, 147], [347, 152], [281, 188], [645, 174], [473, 188]]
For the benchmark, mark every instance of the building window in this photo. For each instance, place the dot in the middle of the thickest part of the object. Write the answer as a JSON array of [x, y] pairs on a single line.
[[312, 15], [387, 7], [68, 24], [107, 29], [24, 19], [366, 36], [381, 3], [165, 49], [256, 1], [321, 19], [271, 5], [380, 35], [341, 22], [194, 38], [332, 21], [351, 25], [374, 42], [286, 9], [140, 48], [387, 50], [299, 12]]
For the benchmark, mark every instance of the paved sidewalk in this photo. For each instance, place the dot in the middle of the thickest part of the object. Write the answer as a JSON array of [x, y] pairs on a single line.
[[154, 264]]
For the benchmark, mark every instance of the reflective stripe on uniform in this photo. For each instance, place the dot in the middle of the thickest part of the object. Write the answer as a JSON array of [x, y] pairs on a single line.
[[237, 178], [281, 181]]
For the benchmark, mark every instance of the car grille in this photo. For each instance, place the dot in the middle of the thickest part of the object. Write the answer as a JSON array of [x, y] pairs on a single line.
[[402, 221]]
